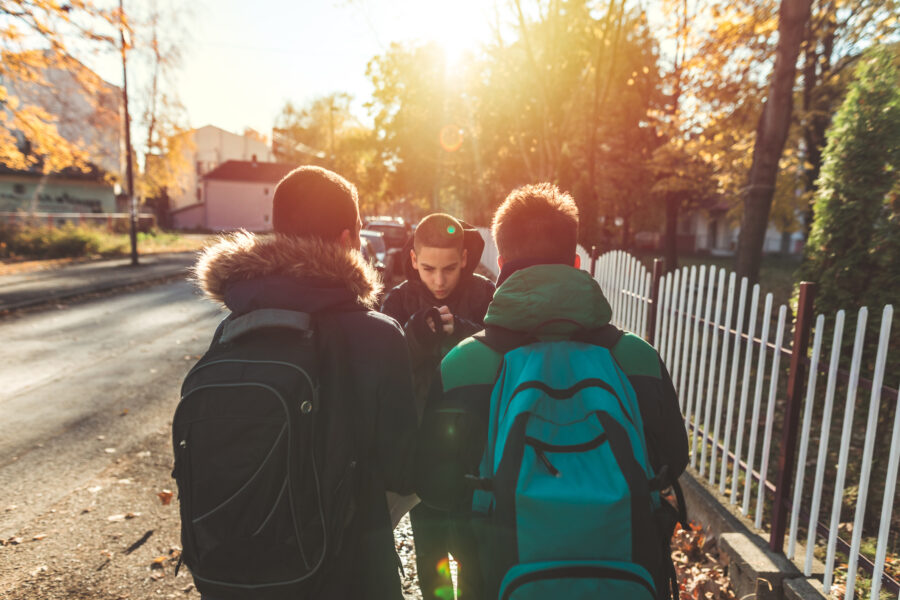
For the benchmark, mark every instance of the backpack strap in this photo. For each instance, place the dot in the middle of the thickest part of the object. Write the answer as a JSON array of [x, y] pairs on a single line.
[[265, 318], [502, 340], [607, 336]]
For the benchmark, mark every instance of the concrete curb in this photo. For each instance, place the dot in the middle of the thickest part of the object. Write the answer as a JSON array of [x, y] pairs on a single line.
[[754, 570], [41, 288], [86, 291]]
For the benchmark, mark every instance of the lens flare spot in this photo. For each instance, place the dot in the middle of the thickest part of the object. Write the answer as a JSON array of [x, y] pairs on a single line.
[[445, 592], [443, 568], [451, 138], [451, 230]]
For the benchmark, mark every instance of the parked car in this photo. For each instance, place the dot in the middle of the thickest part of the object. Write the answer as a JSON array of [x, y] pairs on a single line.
[[396, 233], [376, 240], [370, 253]]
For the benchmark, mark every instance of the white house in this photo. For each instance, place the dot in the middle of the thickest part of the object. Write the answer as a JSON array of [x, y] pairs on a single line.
[[235, 195], [209, 147]]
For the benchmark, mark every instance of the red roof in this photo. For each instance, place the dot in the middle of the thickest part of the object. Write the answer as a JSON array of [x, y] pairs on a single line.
[[250, 172]]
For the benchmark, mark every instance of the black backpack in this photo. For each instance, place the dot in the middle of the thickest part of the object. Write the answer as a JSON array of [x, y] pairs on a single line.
[[264, 457]]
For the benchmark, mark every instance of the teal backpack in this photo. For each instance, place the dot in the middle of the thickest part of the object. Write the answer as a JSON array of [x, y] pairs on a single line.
[[566, 503]]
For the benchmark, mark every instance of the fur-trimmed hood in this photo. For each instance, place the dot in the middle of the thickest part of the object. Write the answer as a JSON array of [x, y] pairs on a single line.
[[243, 256]]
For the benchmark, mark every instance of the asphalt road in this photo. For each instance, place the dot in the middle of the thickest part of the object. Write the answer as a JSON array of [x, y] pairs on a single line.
[[80, 384]]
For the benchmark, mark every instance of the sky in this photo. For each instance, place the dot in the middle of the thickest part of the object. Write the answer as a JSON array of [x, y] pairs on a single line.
[[244, 59]]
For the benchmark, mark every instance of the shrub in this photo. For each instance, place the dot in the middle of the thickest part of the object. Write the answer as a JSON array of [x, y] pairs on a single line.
[[68, 241]]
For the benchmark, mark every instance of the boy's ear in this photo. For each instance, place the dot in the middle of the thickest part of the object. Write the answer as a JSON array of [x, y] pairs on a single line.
[[577, 261], [349, 240], [465, 258], [500, 262], [412, 256]]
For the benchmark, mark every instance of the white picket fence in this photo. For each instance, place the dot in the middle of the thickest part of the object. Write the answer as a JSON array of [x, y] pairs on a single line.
[[725, 358], [724, 362]]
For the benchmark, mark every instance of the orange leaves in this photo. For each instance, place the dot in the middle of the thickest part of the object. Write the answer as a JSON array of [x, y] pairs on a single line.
[[701, 574]]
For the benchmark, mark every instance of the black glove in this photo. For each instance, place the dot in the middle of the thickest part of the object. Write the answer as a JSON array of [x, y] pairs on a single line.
[[423, 337]]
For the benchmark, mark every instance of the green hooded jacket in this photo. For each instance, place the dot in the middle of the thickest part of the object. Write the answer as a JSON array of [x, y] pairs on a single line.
[[550, 302]]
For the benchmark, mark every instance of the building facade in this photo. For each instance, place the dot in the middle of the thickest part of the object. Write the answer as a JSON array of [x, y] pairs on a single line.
[[235, 195], [209, 147], [86, 111]]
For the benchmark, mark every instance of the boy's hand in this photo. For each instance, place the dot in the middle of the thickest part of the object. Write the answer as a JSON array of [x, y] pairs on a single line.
[[446, 319]]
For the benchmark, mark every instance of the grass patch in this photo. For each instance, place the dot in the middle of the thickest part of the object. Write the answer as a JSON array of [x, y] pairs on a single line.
[[30, 242]]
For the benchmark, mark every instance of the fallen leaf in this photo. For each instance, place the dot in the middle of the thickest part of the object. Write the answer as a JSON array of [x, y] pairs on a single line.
[[188, 588], [14, 541], [109, 450], [39, 570], [165, 497], [156, 576], [10, 508], [115, 518], [123, 413], [159, 562], [39, 537]]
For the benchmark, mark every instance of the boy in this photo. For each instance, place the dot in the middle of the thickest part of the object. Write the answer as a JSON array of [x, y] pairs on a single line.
[[541, 296], [442, 302], [311, 270]]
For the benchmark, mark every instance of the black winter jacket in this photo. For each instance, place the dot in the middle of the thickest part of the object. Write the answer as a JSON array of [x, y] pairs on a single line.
[[247, 272], [409, 301]]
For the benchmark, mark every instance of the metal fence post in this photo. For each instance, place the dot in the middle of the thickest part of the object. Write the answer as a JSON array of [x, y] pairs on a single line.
[[595, 252], [796, 380], [650, 328]]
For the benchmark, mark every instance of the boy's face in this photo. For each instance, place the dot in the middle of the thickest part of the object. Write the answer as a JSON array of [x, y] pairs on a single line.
[[439, 268]]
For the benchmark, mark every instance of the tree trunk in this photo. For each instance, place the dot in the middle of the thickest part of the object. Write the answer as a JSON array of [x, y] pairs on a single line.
[[771, 133], [817, 107], [671, 243]]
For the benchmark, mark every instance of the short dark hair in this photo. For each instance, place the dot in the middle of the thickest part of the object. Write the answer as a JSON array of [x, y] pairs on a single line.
[[312, 201], [536, 221], [439, 230]]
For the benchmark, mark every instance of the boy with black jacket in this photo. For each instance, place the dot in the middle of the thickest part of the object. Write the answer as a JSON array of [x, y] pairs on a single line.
[[312, 265], [541, 293], [442, 302]]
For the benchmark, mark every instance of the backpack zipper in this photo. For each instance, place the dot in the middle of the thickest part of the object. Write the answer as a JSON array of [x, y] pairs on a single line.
[[546, 462]]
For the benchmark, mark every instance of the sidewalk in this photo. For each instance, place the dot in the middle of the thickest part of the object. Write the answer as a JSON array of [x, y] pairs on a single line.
[[41, 287]]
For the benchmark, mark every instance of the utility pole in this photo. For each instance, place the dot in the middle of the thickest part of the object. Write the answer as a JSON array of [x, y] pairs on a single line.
[[129, 173], [331, 120]]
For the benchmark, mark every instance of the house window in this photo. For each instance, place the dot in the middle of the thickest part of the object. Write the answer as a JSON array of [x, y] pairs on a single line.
[[19, 188]]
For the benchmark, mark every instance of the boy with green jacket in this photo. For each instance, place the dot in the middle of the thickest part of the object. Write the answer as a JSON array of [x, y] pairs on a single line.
[[540, 293]]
